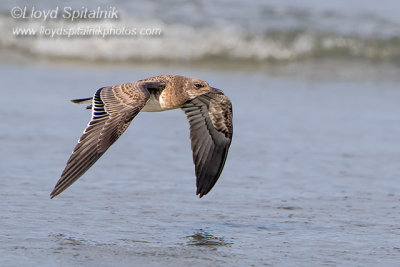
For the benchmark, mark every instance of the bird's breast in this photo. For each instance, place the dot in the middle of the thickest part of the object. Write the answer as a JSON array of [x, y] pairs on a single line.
[[155, 104]]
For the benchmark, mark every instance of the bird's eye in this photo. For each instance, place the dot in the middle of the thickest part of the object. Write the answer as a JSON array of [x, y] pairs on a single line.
[[198, 85]]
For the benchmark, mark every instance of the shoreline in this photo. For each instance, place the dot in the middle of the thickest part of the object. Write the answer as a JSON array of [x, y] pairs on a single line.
[[321, 69]]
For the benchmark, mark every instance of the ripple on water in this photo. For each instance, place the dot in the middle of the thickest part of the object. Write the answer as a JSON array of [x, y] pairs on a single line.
[[203, 238]]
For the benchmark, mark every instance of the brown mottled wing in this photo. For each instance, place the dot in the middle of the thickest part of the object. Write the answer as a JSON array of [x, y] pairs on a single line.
[[210, 119], [113, 109]]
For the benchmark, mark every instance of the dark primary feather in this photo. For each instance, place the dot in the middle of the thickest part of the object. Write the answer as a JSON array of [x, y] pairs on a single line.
[[210, 119], [113, 108]]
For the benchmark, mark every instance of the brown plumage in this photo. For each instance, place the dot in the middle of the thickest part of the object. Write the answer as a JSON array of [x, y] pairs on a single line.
[[208, 110]]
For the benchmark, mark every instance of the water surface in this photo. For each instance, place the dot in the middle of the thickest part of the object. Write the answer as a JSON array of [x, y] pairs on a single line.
[[311, 177]]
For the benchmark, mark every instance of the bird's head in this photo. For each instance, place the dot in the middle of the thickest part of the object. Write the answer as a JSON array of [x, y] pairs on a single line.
[[195, 87]]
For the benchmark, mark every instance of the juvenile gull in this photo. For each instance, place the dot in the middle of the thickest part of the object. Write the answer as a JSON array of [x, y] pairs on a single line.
[[208, 110]]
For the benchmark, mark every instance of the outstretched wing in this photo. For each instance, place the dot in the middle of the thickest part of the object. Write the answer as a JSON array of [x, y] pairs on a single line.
[[113, 109], [210, 119]]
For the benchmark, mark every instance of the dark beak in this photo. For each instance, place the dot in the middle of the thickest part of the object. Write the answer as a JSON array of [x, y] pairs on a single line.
[[216, 90]]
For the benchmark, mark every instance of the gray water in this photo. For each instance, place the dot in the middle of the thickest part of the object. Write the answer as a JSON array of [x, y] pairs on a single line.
[[311, 177]]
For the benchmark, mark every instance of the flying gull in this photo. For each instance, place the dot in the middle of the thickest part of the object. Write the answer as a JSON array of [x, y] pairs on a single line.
[[208, 110]]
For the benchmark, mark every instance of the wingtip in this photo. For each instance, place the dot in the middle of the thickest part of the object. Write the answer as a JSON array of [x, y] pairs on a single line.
[[82, 100], [54, 193], [200, 194]]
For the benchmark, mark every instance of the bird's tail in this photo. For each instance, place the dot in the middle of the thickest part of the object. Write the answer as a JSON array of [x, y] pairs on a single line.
[[83, 101]]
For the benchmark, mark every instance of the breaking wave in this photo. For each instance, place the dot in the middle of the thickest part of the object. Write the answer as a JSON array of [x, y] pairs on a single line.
[[177, 41]]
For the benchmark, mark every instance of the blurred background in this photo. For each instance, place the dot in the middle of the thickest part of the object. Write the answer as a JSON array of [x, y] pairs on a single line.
[[245, 33], [312, 174]]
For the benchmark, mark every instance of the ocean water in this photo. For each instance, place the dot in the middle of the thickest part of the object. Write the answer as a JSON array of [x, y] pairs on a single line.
[[312, 175], [250, 31]]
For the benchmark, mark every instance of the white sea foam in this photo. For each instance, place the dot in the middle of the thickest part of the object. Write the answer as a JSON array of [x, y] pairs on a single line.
[[274, 35]]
